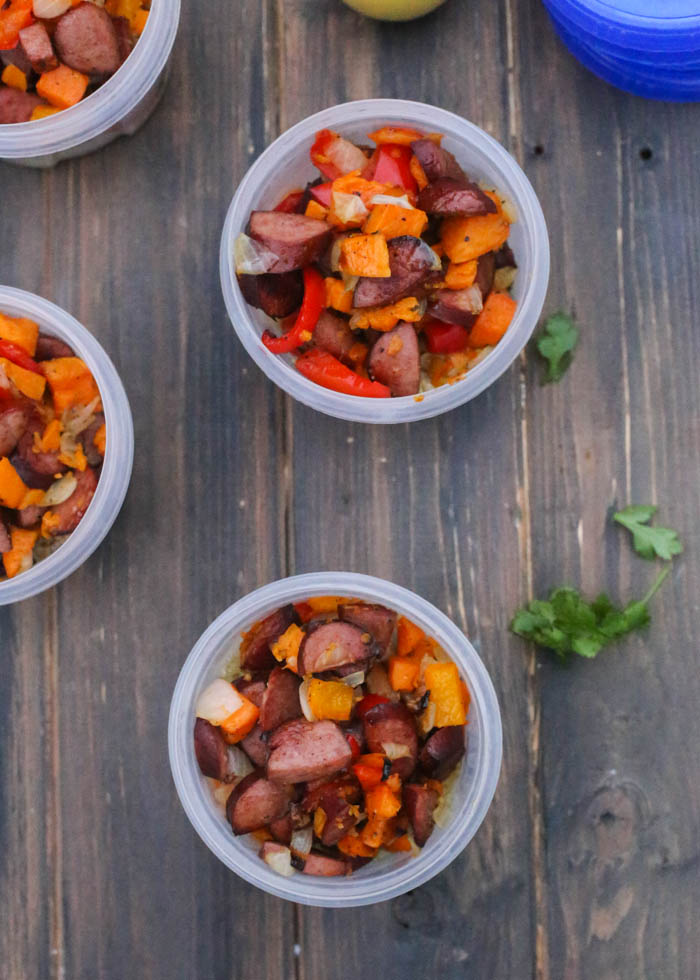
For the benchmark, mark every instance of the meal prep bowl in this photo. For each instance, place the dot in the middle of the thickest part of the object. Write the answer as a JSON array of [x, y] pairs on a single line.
[[117, 108], [119, 450], [389, 874], [285, 165]]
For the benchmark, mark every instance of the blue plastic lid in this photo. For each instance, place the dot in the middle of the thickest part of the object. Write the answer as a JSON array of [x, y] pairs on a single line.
[[636, 23]]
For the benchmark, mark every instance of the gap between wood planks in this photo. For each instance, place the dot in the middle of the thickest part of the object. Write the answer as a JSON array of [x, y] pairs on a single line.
[[514, 118]]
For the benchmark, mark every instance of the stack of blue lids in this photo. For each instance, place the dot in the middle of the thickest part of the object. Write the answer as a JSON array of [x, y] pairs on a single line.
[[648, 47]]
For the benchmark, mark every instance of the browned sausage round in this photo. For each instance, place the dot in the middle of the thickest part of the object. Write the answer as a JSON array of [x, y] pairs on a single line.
[[436, 161], [49, 347], [87, 440], [280, 702], [420, 803], [390, 724], [303, 750], [253, 690], [484, 273], [295, 239], [277, 294], [14, 419], [16, 106], [44, 463], [395, 360], [333, 333], [71, 512], [447, 196], [255, 746], [212, 752], [374, 619], [442, 751], [334, 645], [255, 648], [255, 802], [34, 480], [38, 48], [281, 829], [5, 540], [325, 867], [86, 41], [411, 261], [460, 306]]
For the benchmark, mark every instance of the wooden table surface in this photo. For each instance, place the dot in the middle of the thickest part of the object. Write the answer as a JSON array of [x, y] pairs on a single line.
[[588, 863]]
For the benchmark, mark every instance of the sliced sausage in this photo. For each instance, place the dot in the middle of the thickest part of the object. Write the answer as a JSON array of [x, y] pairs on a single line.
[[485, 270], [390, 728], [436, 161], [15, 56], [212, 752], [277, 294], [443, 751], [280, 702], [253, 690], [255, 648], [86, 41], [395, 360], [49, 347], [38, 48], [295, 239], [334, 645], [255, 746], [420, 802], [29, 516], [303, 750], [34, 480], [449, 197], [504, 257], [43, 463], [14, 419], [411, 261], [375, 619], [354, 730], [71, 512], [125, 37], [87, 440], [16, 106], [336, 799], [282, 829], [5, 539], [255, 802], [460, 306], [346, 786], [324, 866], [333, 334]]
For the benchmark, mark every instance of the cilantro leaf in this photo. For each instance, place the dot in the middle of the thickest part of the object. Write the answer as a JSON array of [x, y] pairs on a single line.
[[649, 542], [566, 623], [556, 344]]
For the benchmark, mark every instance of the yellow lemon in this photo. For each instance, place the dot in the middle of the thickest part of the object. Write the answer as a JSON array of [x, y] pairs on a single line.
[[394, 9]]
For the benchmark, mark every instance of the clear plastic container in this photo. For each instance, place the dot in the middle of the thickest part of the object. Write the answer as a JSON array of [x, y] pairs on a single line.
[[285, 165], [390, 874], [119, 449], [117, 108]]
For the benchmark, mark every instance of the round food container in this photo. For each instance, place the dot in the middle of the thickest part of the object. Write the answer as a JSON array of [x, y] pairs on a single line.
[[285, 165], [389, 874], [119, 449], [117, 108]]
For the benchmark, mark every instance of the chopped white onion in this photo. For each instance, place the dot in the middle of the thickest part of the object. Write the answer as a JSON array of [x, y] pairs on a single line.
[[378, 682], [59, 491], [48, 9], [280, 861], [348, 208], [426, 721], [218, 701], [402, 202], [26, 562], [221, 793], [251, 258], [504, 278], [78, 417], [396, 750], [335, 254], [354, 680], [349, 282], [509, 210], [301, 841], [304, 701], [436, 260], [475, 298], [239, 763]]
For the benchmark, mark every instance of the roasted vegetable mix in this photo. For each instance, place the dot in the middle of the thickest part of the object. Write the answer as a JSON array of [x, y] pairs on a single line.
[[332, 734], [390, 274], [52, 442], [53, 53]]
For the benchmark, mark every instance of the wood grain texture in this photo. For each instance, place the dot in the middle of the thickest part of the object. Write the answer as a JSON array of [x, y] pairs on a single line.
[[587, 864]]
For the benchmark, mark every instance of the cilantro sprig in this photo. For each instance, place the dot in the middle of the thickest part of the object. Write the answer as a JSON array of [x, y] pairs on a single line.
[[649, 542], [567, 624], [556, 344]]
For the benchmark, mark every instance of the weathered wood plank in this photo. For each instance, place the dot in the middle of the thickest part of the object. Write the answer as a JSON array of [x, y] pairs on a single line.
[[620, 785]]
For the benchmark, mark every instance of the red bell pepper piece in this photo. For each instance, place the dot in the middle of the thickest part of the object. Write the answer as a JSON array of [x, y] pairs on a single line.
[[13, 17], [14, 353], [367, 776], [302, 331], [323, 140], [370, 701], [320, 366], [354, 746], [322, 193], [393, 166], [445, 338], [290, 203]]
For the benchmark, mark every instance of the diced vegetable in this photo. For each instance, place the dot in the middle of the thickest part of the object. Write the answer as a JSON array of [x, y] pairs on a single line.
[[316, 210], [401, 135], [365, 255], [218, 701], [385, 318], [20, 331], [29, 383], [446, 693], [445, 338], [330, 699], [13, 77], [302, 331], [12, 486], [408, 636], [493, 321], [19, 558], [241, 721], [286, 648], [393, 166], [337, 296], [382, 802], [461, 275], [63, 87], [334, 155], [14, 15], [404, 672], [392, 220], [290, 203], [70, 381], [324, 369], [465, 239]]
